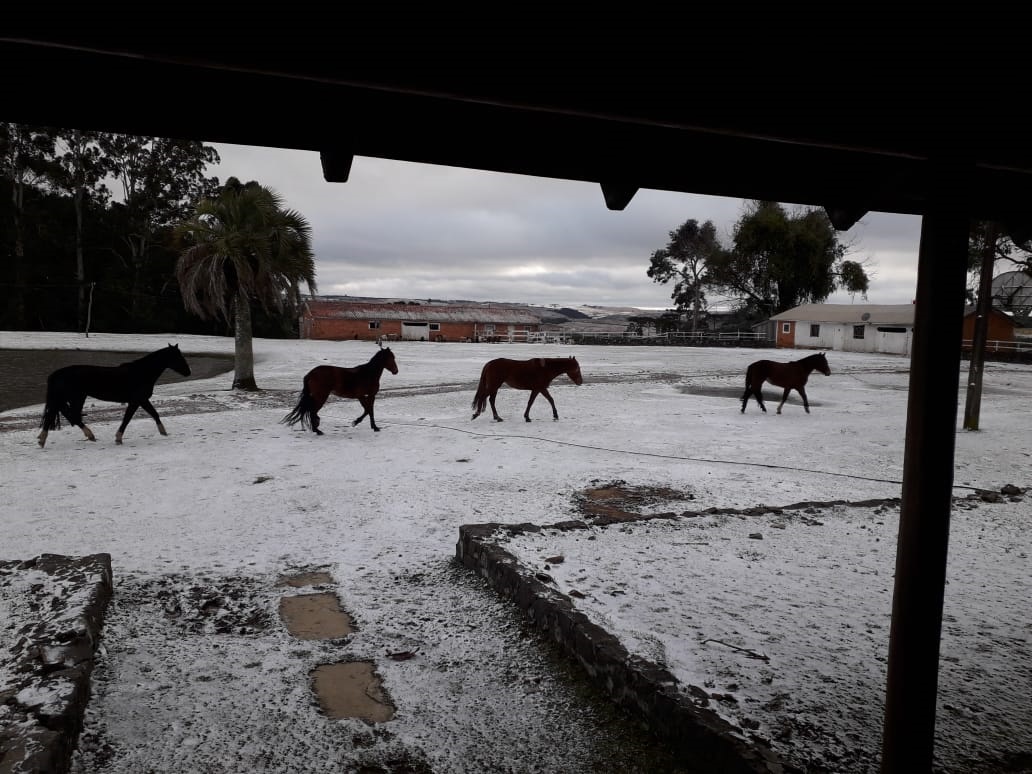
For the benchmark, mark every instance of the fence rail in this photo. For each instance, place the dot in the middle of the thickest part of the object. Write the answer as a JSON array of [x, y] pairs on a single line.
[[1015, 347]]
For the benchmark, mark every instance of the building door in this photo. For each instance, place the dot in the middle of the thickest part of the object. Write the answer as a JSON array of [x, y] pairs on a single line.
[[415, 331]]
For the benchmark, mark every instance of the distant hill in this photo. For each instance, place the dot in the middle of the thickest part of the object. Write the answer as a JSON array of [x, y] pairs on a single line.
[[586, 317]]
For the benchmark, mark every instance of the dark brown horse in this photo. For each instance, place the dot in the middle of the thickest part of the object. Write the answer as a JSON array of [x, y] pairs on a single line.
[[359, 382], [131, 383], [790, 376], [534, 375]]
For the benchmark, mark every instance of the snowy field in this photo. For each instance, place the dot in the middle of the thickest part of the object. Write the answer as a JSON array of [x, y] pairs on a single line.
[[231, 500]]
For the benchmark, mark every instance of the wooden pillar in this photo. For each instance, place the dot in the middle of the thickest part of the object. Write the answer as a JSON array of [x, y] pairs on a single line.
[[909, 730]]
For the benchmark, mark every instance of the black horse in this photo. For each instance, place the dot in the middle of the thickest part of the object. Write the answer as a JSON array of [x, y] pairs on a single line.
[[131, 383], [790, 376]]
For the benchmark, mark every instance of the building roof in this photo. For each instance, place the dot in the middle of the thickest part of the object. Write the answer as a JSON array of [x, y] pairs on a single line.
[[322, 308], [875, 314]]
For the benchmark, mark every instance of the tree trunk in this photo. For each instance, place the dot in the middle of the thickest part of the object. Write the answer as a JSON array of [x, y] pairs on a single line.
[[80, 265], [243, 374], [984, 307], [17, 317]]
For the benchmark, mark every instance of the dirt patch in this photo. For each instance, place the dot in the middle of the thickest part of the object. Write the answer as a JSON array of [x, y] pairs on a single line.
[[352, 689], [605, 503]]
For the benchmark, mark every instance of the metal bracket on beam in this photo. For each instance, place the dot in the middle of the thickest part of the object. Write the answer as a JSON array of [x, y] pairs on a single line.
[[618, 195], [844, 218], [336, 166]]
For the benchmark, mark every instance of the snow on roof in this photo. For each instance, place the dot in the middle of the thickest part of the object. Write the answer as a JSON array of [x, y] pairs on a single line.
[[402, 310], [891, 314]]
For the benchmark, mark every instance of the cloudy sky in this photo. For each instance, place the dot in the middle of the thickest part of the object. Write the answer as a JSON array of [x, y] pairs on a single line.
[[424, 231]]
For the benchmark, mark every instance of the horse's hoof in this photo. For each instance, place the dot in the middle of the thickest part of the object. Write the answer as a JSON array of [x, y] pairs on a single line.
[[317, 432]]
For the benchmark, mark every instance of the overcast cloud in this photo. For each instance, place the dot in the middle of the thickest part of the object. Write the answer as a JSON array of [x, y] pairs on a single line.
[[398, 229]]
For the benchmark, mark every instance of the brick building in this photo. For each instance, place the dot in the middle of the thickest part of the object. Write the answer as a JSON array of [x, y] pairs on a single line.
[[339, 319]]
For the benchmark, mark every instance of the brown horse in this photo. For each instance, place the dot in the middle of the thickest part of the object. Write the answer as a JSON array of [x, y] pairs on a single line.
[[791, 376], [360, 382], [534, 375]]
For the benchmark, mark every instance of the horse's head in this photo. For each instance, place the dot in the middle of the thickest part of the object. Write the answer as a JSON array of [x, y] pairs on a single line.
[[386, 359], [573, 371], [822, 364], [176, 361]]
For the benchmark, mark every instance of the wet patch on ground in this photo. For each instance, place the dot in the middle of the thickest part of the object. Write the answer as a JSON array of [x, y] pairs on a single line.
[[346, 689]]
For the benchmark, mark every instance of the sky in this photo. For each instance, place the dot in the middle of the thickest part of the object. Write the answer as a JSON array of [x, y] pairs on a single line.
[[400, 229], [212, 515]]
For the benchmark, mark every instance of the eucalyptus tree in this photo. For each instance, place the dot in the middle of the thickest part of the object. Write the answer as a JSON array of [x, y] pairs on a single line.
[[780, 260], [776, 261], [81, 171], [26, 156], [691, 250], [160, 181], [240, 246]]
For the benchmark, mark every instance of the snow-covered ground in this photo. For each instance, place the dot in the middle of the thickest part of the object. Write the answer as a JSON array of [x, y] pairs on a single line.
[[231, 500]]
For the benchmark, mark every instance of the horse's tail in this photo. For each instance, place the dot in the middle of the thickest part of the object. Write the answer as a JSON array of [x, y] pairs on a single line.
[[749, 374], [55, 401], [480, 399], [303, 411]]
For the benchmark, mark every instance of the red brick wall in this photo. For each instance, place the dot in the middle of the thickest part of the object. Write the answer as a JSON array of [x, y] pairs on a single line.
[[336, 329]]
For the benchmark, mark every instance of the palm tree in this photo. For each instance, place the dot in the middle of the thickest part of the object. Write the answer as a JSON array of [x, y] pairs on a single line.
[[242, 246]]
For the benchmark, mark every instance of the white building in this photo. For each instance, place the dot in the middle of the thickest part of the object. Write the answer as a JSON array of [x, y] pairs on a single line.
[[885, 328]]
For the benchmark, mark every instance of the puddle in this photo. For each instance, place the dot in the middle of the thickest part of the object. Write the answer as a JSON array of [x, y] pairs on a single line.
[[351, 689], [315, 616]]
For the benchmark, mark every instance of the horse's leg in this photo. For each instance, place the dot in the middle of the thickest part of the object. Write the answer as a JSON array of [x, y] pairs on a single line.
[[318, 400], [149, 408], [784, 397], [530, 402], [72, 411], [802, 394], [129, 411], [757, 392], [548, 397], [367, 406], [491, 399]]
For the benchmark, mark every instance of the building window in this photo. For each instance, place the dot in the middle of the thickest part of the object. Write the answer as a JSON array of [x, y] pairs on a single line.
[[435, 326], [786, 327], [815, 331], [890, 329], [374, 325], [858, 331]]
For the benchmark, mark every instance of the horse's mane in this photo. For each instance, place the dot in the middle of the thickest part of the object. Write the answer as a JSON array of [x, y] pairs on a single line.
[[148, 357]]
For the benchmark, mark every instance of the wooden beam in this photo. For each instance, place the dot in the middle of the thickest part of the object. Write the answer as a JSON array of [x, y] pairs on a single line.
[[912, 683]]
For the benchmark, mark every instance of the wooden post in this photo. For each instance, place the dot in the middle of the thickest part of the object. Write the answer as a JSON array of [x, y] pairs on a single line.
[[909, 731]]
